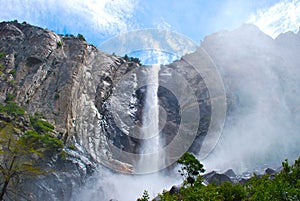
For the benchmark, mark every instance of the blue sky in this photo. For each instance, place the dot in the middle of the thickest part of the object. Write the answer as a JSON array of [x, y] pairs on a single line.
[[99, 20]]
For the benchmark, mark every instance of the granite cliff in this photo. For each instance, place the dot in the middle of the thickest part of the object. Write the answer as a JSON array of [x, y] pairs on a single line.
[[68, 81], [72, 83]]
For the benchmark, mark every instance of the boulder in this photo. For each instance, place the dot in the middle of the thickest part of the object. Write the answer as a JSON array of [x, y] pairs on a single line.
[[230, 173], [174, 190], [270, 171], [216, 178]]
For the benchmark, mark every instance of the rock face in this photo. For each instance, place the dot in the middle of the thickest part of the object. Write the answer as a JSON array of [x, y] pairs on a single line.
[[62, 77], [74, 84], [216, 178], [68, 81]]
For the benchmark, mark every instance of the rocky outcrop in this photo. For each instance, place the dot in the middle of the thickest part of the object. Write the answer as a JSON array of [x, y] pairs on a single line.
[[64, 78], [69, 81], [216, 178]]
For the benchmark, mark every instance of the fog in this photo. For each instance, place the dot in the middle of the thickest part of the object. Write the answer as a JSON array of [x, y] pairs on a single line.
[[106, 185], [261, 78]]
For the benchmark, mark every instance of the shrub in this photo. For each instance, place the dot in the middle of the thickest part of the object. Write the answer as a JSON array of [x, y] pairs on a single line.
[[13, 72], [11, 82], [132, 59], [59, 44], [9, 97], [2, 54], [145, 196], [231, 192], [81, 37], [45, 141], [12, 108], [72, 147], [283, 186], [41, 126]]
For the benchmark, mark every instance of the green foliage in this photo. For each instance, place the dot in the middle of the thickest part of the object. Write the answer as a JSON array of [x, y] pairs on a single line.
[[231, 192], [24, 152], [2, 54], [9, 97], [19, 158], [199, 192], [12, 108], [81, 37], [190, 168], [284, 186], [39, 115], [126, 57], [165, 196], [11, 82], [132, 59], [44, 142], [13, 72], [59, 43], [39, 125], [72, 147], [145, 196]]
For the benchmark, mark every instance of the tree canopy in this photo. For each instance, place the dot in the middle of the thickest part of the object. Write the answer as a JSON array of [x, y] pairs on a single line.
[[24, 150], [190, 167]]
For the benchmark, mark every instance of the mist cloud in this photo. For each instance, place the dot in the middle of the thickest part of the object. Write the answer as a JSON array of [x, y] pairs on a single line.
[[282, 17]]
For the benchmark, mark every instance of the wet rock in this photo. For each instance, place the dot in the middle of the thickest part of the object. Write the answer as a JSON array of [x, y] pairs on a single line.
[[230, 173], [174, 190], [216, 178], [270, 171]]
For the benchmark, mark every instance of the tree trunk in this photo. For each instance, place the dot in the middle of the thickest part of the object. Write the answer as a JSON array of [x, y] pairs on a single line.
[[7, 179], [3, 191]]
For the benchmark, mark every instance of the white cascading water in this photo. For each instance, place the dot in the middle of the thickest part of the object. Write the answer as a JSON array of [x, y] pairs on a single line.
[[150, 159]]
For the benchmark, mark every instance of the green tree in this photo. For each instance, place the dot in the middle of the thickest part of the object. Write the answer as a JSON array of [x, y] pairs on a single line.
[[231, 192], [18, 158], [190, 168], [145, 196], [81, 37], [23, 152], [126, 57]]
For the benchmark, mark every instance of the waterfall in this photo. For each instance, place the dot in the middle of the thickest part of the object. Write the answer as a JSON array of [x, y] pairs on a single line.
[[150, 159]]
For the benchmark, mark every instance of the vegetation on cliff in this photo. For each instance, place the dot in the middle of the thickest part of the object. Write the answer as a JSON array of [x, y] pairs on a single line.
[[284, 185], [25, 147]]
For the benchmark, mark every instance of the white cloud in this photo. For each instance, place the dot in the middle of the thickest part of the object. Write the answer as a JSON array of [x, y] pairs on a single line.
[[111, 15], [162, 24], [103, 17], [282, 17]]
